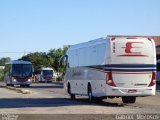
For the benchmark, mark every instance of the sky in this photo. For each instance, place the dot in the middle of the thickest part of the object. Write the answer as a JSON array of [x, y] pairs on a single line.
[[40, 25]]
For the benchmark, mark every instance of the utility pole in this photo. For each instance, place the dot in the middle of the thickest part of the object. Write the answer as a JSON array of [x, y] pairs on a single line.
[[24, 53]]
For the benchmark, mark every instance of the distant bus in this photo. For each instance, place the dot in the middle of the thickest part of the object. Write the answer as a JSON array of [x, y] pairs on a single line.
[[111, 67], [18, 72], [46, 75]]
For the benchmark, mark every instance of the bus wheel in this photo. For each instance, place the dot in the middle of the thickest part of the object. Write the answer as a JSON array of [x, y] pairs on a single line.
[[72, 96], [125, 99], [90, 97], [128, 99], [98, 99], [132, 99]]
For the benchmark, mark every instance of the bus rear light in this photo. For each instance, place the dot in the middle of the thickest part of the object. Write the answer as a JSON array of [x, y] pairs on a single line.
[[109, 79], [153, 80]]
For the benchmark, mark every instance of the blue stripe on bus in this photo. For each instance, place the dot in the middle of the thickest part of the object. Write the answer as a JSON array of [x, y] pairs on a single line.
[[126, 67]]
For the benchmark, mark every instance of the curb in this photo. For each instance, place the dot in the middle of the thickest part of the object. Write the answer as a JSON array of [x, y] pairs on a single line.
[[19, 90]]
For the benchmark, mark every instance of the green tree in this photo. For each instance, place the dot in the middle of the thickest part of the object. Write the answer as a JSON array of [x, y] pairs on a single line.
[[1, 74], [4, 60], [50, 59], [55, 55], [38, 59]]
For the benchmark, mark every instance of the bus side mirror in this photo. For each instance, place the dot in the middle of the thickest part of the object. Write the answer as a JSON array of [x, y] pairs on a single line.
[[64, 57], [60, 62]]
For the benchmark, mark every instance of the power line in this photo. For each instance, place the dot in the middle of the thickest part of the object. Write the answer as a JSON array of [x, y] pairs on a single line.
[[11, 52], [24, 52]]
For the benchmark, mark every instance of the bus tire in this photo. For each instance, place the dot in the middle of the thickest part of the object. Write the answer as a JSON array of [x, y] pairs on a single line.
[[125, 99], [72, 96], [129, 99], [90, 96], [98, 99], [132, 99]]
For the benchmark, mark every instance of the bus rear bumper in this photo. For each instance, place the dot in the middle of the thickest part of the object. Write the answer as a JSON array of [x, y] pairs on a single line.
[[145, 91]]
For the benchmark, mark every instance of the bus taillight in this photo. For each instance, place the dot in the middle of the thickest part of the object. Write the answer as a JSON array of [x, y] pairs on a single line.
[[153, 81], [109, 79]]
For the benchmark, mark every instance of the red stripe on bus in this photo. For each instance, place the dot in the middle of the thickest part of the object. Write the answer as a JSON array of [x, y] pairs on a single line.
[[132, 55]]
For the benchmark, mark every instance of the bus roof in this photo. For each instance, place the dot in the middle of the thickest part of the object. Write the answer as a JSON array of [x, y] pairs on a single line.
[[88, 43], [46, 68], [19, 62], [128, 36]]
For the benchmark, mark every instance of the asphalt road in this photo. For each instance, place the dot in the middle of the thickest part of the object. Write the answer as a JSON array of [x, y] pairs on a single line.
[[49, 98]]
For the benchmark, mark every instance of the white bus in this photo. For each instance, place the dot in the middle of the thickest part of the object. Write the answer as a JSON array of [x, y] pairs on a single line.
[[46, 75], [111, 67], [18, 72]]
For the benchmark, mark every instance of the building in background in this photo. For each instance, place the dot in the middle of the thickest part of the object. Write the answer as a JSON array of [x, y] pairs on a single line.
[[157, 41]]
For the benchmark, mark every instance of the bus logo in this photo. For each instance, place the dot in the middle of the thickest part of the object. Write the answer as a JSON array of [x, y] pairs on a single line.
[[129, 47]]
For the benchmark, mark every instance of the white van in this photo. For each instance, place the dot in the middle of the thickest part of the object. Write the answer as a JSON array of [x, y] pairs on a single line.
[[111, 67]]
